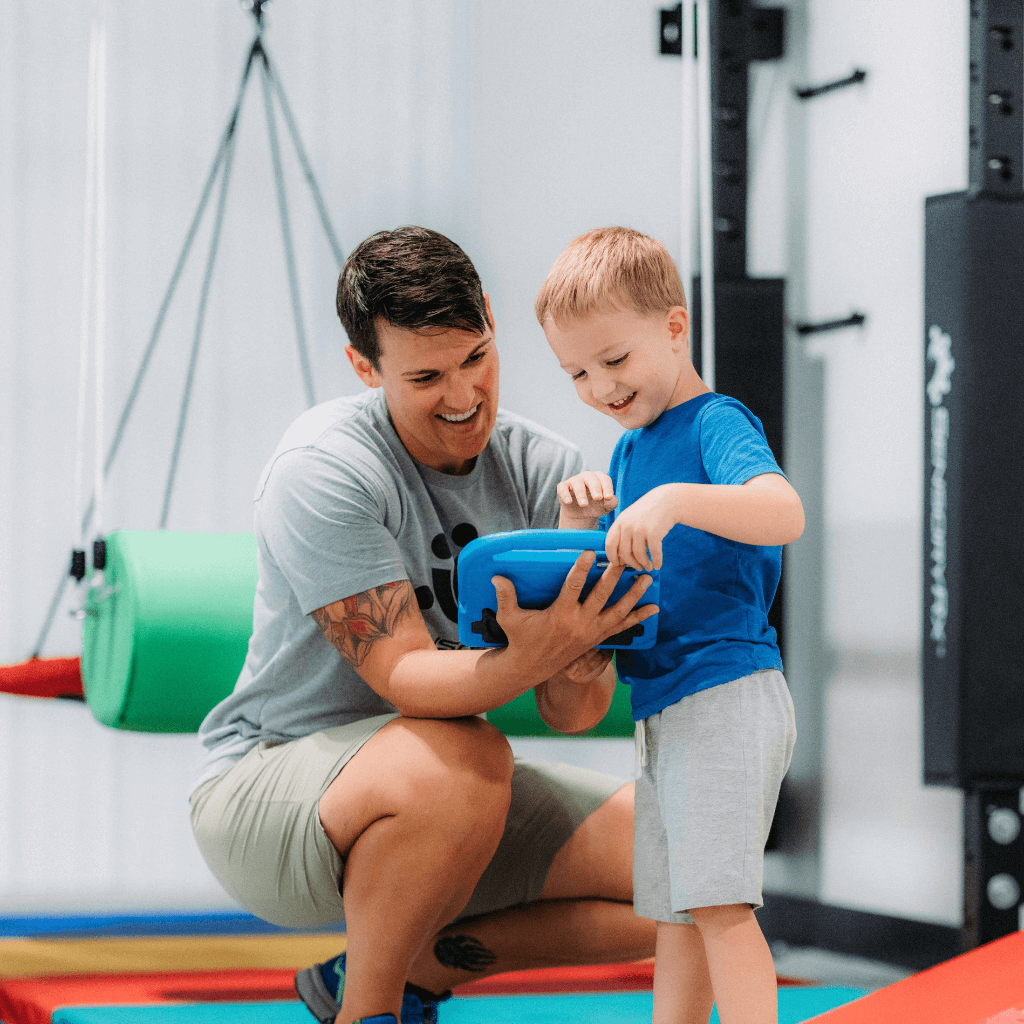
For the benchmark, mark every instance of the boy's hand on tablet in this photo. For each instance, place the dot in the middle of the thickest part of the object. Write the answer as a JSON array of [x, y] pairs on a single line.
[[636, 535], [584, 498]]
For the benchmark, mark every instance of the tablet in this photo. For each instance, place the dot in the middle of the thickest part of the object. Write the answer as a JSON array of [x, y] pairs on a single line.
[[537, 562]]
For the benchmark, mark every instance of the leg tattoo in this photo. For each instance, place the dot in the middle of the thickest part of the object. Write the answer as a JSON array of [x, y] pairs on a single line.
[[463, 953]]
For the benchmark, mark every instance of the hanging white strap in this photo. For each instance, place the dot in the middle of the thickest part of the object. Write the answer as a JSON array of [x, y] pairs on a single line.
[[705, 189], [88, 275], [100, 303]]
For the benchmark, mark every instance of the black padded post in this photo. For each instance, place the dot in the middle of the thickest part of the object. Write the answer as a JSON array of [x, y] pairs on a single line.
[[973, 537]]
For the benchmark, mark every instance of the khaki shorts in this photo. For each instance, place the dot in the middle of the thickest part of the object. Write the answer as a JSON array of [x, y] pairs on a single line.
[[258, 827]]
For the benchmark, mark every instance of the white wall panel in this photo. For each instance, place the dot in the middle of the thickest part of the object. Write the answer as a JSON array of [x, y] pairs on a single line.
[[512, 127], [90, 817], [875, 151]]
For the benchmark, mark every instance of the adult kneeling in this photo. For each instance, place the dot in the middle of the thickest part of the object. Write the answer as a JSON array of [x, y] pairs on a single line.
[[346, 777]]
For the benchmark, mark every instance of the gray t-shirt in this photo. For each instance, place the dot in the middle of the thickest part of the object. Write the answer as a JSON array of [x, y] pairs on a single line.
[[341, 508]]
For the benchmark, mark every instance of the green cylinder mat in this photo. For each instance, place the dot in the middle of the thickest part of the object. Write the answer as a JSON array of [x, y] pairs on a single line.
[[170, 640]]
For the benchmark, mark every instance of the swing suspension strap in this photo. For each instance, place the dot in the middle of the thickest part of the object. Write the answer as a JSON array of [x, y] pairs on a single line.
[[221, 165], [286, 230], [91, 333]]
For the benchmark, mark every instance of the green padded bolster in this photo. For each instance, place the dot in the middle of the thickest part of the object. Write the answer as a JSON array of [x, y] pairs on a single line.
[[169, 643]]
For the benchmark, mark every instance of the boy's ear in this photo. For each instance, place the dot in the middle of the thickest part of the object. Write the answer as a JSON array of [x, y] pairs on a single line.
[[364, 368], [679, 328]]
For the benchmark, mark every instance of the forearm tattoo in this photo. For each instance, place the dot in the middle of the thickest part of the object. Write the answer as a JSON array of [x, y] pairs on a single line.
[[463, 953], [354, 624]]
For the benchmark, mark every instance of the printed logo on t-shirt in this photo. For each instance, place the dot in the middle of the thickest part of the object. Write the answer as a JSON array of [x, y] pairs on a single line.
[[446, 581], [448, 645]]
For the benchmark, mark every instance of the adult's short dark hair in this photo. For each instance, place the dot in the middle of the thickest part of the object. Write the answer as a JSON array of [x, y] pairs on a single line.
[[414, 279]]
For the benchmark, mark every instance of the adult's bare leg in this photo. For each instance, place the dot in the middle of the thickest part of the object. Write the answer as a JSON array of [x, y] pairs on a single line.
[[585, 914], [418, 812]]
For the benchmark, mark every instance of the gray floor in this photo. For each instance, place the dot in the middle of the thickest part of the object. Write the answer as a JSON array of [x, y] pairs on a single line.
[[824, 968]]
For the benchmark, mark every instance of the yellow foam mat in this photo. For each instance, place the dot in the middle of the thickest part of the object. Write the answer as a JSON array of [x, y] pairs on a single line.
[[35, 957]]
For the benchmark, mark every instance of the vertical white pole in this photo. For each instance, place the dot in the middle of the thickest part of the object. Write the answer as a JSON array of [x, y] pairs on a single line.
[[705, 188], [688, 177]]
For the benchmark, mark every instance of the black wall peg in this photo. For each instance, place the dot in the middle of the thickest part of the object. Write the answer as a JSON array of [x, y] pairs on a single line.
[[853, 320], [810, 91]]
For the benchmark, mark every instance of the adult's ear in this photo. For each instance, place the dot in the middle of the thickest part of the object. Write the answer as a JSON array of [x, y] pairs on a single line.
[[490, 315], [365, 370]]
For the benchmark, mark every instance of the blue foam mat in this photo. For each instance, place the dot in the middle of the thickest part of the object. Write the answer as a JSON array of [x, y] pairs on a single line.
[[795, 1005], [184, 923]]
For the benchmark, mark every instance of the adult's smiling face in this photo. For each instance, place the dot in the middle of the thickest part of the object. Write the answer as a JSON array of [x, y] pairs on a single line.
[[441, 389]]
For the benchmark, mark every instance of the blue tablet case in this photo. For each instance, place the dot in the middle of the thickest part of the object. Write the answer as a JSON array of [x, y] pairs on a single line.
[[537, 562]]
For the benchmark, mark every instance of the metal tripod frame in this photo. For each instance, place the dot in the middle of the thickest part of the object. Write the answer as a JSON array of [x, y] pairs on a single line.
[[222, 165]]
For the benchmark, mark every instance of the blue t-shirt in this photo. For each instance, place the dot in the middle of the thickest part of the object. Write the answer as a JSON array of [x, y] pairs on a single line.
[[715, 593]]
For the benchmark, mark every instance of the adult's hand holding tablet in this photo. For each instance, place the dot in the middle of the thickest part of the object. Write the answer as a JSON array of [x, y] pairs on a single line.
[[538, 563]]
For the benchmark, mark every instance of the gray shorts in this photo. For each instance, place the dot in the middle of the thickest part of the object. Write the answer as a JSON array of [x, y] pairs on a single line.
[[706, 796], [258, 827]]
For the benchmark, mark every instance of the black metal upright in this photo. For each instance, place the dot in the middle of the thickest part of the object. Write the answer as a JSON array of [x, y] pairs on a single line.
[[749, 312], [973, 541]]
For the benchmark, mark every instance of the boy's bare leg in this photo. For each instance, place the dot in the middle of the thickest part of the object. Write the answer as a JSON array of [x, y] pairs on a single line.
[[682, 984], [585, 914], [740, 964], [419, 815]]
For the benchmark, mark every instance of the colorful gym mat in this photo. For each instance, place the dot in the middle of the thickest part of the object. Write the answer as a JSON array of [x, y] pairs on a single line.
[[34, 1000], [229, 978], [39, 975], [224, 979], [40, 957], [207, 922], [795, 1005]]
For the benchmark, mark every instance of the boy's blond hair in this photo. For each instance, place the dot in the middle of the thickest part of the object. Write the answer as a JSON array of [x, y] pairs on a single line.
[[610, 267]]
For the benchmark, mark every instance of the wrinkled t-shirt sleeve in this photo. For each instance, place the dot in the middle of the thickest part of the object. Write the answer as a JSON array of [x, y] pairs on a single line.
[[324, 524], [732, 444], [547, 465], [605, 523]]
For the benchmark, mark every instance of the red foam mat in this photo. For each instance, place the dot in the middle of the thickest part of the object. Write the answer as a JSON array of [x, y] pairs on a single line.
[[33, 1000], [984, 986], [43, 677], [598, 978]]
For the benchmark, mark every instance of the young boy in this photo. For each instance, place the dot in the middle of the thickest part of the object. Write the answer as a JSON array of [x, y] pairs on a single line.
[[694, 491]]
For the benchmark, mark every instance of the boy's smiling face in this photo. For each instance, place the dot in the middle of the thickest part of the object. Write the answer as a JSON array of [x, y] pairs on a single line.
[[629, 367]]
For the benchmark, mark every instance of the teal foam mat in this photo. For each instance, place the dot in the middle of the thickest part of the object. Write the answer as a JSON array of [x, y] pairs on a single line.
[[795, 1005]]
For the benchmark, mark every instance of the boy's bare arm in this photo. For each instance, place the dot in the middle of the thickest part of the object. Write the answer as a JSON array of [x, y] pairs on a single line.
[[764, 511]]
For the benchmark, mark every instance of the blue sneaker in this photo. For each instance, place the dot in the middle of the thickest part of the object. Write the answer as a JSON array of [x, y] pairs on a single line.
[[384, 1018], [320, 987]]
